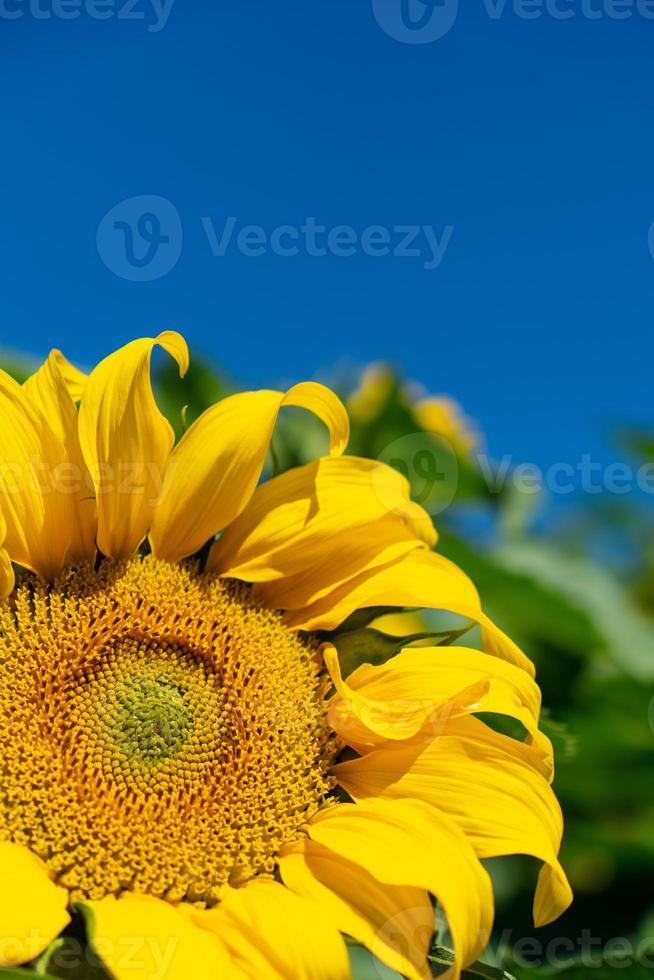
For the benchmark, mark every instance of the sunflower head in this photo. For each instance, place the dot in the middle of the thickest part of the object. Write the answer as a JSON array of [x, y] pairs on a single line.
[[174, 710]]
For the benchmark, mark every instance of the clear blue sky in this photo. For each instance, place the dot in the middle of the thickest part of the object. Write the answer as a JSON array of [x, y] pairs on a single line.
[[532, 138]]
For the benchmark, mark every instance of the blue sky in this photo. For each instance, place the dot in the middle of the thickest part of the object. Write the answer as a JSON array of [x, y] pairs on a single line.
[[523, 146]]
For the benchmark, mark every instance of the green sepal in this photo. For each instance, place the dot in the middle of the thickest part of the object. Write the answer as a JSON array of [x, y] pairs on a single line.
[[441, 959], [361, 618], [371, 646], [70, 956], [482, 971]]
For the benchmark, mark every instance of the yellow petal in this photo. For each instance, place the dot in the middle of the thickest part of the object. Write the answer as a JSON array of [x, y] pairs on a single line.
[[273, 934], [327, 406], [53, 393], [421, 578], [32, 908], [351, 554], [39, 513], [143, 938], [365, 716], [218, 462], [420, 689], [7, 577], [74, 379], [490, 784], [126, 441], [316, 526], [396, 923], [408, 842]]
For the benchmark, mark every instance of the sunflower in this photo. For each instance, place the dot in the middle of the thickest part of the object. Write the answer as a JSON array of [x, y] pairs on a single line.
[[186, 771], [440, 415]]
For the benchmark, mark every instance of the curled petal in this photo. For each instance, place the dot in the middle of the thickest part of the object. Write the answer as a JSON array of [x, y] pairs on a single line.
[[217, 464], [74, 379], [126, 441], [386, 708], [420, 689]]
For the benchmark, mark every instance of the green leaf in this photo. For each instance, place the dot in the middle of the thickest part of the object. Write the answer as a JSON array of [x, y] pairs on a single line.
[[371, 646], [18, 973], [628, 633], [564, 741], [536, 616]]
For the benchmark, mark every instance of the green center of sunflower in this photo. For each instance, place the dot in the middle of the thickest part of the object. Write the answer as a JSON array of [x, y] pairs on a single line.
[[150, 719]]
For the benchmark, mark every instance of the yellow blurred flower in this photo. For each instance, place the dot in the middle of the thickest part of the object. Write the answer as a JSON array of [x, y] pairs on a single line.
[[375, 387], [438, 414], [444, 417]]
